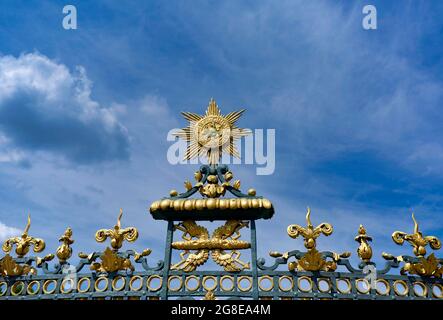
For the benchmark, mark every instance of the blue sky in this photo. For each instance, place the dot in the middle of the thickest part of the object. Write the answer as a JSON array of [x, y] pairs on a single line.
[[84, 113]]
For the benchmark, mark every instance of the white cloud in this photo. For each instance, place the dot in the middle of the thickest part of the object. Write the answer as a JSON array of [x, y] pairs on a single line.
[[7, 232], [45, 107], [154, 105]]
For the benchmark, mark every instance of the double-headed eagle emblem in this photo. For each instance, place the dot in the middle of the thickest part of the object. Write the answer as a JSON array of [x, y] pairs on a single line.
[[223, 238]]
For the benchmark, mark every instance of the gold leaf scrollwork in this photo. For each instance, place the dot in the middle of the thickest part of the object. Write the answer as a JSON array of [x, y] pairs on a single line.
[[223, 238], [425, 266], [111, 262], [309, 234], [312, 260], [9, 268], [416, 240], [209, 295], [24, 242], [117, 234], [111, 259], [212, 188]]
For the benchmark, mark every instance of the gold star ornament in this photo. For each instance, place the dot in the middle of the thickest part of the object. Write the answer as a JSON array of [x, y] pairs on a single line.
[[212, 134]]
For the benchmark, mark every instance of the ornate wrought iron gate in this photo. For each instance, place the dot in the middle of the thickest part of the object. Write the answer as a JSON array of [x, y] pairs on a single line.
[[311, 274]]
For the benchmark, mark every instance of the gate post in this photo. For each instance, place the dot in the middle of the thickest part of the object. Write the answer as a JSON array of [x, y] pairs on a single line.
[[167, 260], [255, 291]]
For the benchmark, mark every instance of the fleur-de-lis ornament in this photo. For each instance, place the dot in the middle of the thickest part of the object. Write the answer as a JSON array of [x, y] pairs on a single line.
[[117, 234], [312, 260], [310, 234], [416, 240], [423, 266], [24, 242]]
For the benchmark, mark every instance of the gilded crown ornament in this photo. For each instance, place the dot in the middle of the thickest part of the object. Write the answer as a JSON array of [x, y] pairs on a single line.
[[420, 265], [211, 134]]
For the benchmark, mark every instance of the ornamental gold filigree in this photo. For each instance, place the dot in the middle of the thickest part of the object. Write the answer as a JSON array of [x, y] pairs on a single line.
[[24, 242], [209, 295], [423, 266], [211, 134], [10, 268], [309, 234], [312, 260], [112, 260], [364, 251], [223, 238], [117, 234], [416, 240], [212, 189], [64, 251]]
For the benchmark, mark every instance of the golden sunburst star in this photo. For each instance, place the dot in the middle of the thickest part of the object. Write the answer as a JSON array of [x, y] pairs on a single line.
[[211, 134]]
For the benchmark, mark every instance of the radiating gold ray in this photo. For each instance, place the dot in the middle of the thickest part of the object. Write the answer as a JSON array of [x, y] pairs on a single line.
[[184, 134], [238, 132], [234, 151], [191, 116], [211, 134], [192, 151], [213, 109], [233, 116]]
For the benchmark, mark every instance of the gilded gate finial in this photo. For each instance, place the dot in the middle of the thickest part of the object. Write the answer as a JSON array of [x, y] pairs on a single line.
[[113, 260], [117, 234], [64, 251], [420, 265], [364, 251], [309, 234], [9, 266], [312, 260], [24, 242], [416, 240]]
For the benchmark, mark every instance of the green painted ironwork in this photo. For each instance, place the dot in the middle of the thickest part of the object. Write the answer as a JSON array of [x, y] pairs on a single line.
[[275, 281]]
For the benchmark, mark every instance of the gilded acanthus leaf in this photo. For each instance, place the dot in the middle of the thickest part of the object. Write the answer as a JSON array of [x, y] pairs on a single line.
[[188, 185]]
